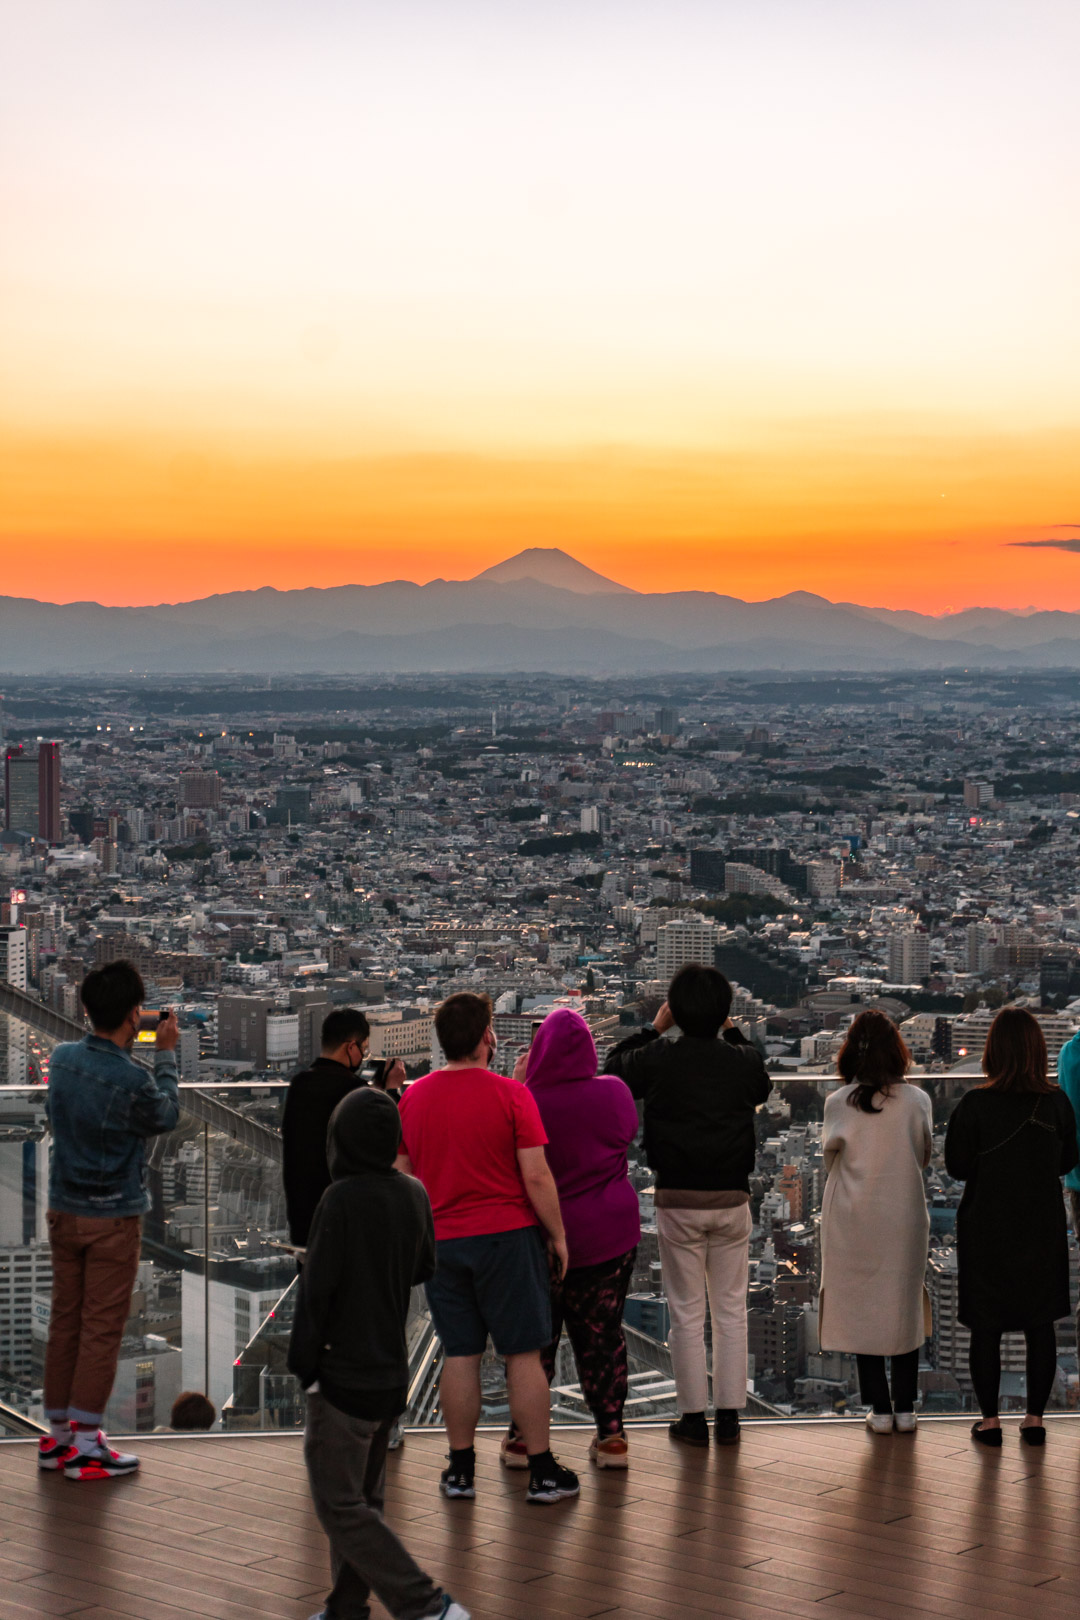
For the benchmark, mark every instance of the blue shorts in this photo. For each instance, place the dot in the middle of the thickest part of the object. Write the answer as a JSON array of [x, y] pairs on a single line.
[[496, 1284]]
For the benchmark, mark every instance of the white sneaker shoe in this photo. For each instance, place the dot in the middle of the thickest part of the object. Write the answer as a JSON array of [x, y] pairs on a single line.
[[906, 1422], [879, 1422], [99, 1461]]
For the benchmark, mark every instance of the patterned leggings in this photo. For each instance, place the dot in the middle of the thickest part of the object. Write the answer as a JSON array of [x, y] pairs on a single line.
[[590, 1300]]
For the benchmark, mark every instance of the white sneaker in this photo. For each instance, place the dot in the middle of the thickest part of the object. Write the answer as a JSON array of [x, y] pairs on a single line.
[[98, 1461], [906, 1422], [879, 1422]]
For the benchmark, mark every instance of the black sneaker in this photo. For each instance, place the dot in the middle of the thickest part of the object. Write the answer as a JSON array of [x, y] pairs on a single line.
[[457, 1482], [551, 1482], [726, 1428], [691, 1431]]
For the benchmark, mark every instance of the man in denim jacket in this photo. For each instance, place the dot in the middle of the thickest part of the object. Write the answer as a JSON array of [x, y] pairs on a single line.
[[102, 1108]]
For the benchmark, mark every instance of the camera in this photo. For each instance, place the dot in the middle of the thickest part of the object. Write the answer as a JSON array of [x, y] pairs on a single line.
[[151, 1020], [373, 1073]]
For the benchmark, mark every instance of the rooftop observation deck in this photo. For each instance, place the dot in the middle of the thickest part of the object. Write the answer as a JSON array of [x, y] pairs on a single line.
[[803, 1519]]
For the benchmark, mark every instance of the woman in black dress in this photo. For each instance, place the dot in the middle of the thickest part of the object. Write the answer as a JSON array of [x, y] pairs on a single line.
[[1011, 1140]]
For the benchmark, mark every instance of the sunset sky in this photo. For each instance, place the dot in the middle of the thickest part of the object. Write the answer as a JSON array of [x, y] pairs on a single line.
[[745, 295]]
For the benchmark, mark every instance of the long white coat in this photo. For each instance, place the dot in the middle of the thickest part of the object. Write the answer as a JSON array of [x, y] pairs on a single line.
[[875, 1228]]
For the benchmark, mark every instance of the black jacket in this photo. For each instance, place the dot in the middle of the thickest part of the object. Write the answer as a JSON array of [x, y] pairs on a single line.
[[1012, 1249], [312, 1096], [372, 1240], [700, 1096]]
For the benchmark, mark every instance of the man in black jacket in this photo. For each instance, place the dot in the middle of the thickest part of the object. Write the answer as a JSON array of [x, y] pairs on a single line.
[[371, 1241], [700, 1093], [311, 1099]]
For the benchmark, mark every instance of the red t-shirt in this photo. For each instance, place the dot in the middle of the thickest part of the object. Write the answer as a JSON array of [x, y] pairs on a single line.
[[462, 1129]]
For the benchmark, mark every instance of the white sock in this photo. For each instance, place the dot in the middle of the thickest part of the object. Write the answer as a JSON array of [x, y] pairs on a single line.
[[84, 1440], [60, 1429]]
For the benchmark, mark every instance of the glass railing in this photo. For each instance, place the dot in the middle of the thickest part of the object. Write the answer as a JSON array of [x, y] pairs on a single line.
[[213, 1305]]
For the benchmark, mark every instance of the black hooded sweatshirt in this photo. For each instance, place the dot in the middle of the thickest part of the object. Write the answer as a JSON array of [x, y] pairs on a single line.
[[372, 1240], [312, 1096]]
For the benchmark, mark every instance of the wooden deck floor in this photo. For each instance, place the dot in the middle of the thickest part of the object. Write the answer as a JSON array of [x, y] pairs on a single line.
[[800, 1520]]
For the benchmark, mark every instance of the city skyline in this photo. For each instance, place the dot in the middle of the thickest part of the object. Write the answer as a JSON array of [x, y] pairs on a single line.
[[778, 298]]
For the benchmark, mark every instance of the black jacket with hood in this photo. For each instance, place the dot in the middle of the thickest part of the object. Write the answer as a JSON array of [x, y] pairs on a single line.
[[372, 1240]]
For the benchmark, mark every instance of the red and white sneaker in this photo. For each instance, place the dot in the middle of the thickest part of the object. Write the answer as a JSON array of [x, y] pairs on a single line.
[[99, 1461], [53, 1453], [513, 1452]]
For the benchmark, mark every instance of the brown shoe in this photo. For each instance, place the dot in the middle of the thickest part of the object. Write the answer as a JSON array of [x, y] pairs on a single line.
[[613, 1451]]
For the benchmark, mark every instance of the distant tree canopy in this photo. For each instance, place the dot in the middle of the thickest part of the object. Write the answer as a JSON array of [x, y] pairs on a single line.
[[736, 909], [559, 843], [198, 851]]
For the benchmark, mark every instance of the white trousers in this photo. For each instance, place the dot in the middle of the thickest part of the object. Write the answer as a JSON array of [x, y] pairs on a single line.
[[705, 1255]]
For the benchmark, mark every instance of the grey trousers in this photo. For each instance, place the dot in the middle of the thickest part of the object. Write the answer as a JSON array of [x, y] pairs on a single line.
[[346, 1464]]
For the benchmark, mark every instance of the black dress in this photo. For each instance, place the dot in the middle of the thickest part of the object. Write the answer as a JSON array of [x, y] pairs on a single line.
[[1011, 1148]]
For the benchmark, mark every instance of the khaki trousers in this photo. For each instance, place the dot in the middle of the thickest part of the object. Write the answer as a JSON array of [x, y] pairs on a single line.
[[94, 1260], [705, 1255]]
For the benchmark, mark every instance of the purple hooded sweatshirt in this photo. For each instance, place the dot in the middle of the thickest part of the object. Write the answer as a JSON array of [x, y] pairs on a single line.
[[590, 1119]]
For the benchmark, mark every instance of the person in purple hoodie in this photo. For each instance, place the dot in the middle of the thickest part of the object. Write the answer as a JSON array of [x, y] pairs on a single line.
[[590, 1120]]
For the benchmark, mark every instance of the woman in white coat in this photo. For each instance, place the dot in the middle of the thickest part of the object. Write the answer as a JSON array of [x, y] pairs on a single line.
[[875, 1227]]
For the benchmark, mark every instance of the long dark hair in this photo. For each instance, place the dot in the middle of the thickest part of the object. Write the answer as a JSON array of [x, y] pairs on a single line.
[[875, 1057], [1014, 1057]]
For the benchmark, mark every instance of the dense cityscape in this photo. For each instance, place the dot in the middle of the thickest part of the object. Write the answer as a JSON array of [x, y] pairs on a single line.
[[265, 852]]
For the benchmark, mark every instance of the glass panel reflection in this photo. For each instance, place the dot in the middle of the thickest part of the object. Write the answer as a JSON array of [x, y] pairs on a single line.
[[212, 1308]]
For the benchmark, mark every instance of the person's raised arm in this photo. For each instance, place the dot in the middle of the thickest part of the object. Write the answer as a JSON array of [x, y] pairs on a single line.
[[631, 1059], [543, 1195], [155, 1107]]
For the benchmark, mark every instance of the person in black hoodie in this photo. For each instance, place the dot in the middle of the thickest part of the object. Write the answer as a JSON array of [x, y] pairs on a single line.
[[312, 1096], [371, 1241], [700, 1094]]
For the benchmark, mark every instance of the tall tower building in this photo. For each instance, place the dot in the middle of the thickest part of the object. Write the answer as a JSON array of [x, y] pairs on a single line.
[[20, 791], [49, 792]]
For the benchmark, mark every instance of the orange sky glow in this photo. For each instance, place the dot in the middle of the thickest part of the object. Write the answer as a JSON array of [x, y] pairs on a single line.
[[713, 296]]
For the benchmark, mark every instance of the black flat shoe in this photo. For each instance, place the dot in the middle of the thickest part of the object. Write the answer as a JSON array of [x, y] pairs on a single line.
[[726, 1428], [1033, 1434], [985, 1437], [690, 1432]]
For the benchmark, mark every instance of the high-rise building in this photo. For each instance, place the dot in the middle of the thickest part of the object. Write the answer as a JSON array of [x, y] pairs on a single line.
[[21, 791], [685, 939], [13, 955], [199, 789], [293, 804], [707, 868], [977, 794], [242, 1024], [909, 956], [48, 766]]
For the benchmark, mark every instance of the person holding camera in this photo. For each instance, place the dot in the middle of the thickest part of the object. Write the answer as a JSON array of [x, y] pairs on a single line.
[[700, 1091], [102, 1108], [312, 1096]]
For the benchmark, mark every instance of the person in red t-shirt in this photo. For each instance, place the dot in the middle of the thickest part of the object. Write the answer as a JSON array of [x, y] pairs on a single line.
[[475, 1140]]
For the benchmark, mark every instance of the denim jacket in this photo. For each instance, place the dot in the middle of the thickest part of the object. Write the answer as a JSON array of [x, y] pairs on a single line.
[[102, 1106]]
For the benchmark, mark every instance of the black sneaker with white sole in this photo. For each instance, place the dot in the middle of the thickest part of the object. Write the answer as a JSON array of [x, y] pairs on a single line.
[[551, 1482], [457, 1482]]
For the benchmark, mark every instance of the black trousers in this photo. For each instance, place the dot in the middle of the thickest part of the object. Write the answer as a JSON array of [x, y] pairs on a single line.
[[984, 1360], [874, 1385]]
